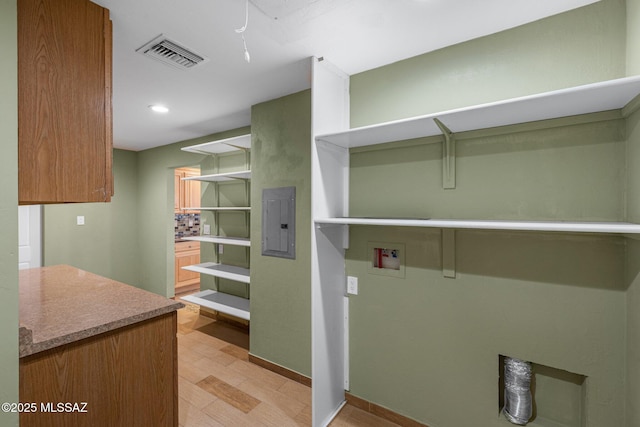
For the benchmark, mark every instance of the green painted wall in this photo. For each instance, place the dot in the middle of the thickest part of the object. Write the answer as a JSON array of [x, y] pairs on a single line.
[[452, 329], [108, 242], [281, 288], [577, 47], [633, 273], [155, 217], [8, 209], [508, 164], [130, 239], [633, 37], [557, 300]]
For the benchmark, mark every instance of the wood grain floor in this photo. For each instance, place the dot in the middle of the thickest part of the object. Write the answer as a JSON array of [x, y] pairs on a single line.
[[218, 386]]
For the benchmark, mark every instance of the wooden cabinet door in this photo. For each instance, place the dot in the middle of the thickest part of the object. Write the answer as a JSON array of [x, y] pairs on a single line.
[[192, 191], [64, 102], [187, 253], [128, 377], [184, 259], [189, 191], [178, 193]]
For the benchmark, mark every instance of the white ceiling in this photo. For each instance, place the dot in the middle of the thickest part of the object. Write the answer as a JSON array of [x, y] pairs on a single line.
[[355, 35]]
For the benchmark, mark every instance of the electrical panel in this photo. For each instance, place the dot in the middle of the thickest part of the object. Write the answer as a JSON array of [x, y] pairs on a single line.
[[279, 222]]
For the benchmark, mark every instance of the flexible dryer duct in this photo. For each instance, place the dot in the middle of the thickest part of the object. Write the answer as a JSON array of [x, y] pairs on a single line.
[[518, 406]]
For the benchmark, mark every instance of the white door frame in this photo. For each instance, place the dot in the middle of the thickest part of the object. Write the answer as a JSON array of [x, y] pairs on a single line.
[[29, 236]]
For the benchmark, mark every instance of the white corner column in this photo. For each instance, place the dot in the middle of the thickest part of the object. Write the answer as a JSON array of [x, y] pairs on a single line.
[[330, 198]]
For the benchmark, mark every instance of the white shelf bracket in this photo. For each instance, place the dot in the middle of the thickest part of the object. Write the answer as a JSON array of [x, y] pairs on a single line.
[[237, 147], [343, 230], [448, 156], [449, 253]]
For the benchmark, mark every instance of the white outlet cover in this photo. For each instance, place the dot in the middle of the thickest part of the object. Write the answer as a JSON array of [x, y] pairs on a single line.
[[352, 285], [80, 220], [206, 229]]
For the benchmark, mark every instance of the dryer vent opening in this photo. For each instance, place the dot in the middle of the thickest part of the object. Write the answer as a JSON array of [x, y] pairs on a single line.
[[557, 397], [517, 391]]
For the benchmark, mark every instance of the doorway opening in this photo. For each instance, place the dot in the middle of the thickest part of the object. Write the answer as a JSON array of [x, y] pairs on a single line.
[[187, 196]]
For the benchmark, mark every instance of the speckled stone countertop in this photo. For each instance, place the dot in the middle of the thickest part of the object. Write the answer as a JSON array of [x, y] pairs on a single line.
[[62, 304]]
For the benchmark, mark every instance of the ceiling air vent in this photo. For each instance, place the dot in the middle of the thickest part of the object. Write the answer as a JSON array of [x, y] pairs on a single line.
[[171, 53]]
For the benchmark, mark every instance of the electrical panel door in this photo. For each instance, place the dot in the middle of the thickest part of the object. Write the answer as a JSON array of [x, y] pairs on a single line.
[[279, 222]]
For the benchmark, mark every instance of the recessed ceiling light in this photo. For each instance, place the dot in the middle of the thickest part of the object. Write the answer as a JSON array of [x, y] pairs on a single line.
[[159, 108]]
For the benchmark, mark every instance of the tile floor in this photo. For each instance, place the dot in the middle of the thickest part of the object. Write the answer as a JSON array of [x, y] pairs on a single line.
[[218, 386]]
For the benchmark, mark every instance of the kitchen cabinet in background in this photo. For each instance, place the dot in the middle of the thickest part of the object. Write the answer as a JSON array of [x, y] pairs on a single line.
[[177, 191], [186, 193], [187, 253], [64, 102]]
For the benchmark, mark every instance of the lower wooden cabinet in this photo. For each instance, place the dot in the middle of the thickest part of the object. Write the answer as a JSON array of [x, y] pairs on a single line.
[[187, 253], [126, 377]]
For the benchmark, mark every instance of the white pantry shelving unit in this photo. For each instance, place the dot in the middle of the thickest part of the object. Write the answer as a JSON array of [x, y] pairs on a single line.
[[592, 98], [330, 199], [216, 300]]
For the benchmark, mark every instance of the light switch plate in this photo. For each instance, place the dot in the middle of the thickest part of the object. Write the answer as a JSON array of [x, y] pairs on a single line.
[[207, 229], [352, 285], [80, 220]]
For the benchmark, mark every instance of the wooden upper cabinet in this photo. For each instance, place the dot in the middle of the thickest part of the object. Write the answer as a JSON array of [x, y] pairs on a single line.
[[64, 102], [186, 193], [178, 194], [192, 191]]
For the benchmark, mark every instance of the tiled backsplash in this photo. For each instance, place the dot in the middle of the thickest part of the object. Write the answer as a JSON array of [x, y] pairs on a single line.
[[187, 225]]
